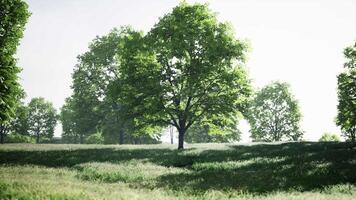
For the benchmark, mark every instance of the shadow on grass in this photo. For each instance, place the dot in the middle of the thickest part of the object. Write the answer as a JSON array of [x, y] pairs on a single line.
[[260, 168]]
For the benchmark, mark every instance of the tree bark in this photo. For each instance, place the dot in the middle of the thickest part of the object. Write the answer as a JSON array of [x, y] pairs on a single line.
[[171, 133], [37, 138], [121, 136], [181, 138], [2, 134], [81, 139]]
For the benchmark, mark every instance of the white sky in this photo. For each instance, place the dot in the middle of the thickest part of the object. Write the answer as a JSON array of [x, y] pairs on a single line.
[[297, 41]]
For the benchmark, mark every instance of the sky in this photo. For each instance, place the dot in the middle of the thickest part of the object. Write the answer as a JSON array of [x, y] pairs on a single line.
[[297, 41]]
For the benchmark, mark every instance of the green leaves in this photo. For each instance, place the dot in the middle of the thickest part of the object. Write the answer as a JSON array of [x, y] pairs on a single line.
[[346, 117], [183, 70], [42, 118], [13, 15], [274, 114]]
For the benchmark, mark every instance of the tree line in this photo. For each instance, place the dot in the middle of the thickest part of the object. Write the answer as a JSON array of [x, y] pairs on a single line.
[[188, 72]]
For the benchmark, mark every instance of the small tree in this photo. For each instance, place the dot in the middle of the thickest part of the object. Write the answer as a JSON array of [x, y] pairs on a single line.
[[42, 118], [329, 137], [346, 84], [274, 114]]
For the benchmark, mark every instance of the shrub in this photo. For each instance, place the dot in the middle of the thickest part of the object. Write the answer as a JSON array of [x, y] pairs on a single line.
[[329, 137], [96, 138], [18, 138]]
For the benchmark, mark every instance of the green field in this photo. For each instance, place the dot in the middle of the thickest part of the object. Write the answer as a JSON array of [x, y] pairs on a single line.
[[202, 171]]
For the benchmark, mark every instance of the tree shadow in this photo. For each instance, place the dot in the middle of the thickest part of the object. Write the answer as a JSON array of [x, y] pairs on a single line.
[[260, 168]]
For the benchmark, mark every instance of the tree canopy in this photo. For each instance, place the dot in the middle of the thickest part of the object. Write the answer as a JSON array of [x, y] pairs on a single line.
[[274, 114], [13, 15], [186, 69], [346, 84], [42, 118]]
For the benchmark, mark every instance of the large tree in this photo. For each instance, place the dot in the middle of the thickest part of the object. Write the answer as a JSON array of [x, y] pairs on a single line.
[[188, 68], [42, 118], [274, 114], [90, 103], [346, 117], [13, 17]]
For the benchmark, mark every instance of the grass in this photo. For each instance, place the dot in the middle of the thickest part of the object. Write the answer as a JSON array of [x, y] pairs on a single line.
[[203, 171]]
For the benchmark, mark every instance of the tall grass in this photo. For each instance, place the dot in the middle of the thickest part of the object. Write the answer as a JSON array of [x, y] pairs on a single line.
[[203, 171]]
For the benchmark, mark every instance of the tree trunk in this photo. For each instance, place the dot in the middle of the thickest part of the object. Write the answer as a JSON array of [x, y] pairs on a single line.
[[121, 136], [2, 134], [171, 133], [181, 138], [81, 139], [37, 138]]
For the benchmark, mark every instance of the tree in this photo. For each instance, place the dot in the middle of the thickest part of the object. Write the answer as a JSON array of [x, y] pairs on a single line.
[[274, 114], [188, 68], [206, 134], [68, 121], [42, 118], [19, 124], [13, 15], [329, 137], [346, 117], [91, 105]]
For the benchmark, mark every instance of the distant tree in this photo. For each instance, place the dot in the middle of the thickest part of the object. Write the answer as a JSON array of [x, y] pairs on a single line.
[[207, 132], [274, 114], [19, 124], [96, 138], [68, 121], [13, 17], [42, 118], [329, 137], [346, 117], [186, 69], [96, 69]]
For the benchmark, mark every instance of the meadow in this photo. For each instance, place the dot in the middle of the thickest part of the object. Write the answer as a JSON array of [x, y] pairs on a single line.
[[306, 170]]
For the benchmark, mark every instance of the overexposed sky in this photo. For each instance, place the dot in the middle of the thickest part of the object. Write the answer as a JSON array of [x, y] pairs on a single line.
[[297, 41]]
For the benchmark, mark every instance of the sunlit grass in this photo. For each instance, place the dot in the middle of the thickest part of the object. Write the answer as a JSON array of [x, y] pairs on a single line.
[[204, 171]]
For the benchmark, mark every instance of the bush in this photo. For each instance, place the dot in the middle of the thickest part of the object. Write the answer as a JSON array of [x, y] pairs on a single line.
[[329, 137], [96, 138], [18, 138]]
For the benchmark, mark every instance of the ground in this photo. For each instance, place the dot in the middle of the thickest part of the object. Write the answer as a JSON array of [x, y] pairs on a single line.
[[202, 171]]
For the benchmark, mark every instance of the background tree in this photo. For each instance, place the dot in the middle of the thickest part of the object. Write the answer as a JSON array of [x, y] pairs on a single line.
[[205, 133], [68, 120], [274, 114], [346, 84], [329, 137], [92, 105], [19, 124], [187, 68], [42, 118], [13, 17]]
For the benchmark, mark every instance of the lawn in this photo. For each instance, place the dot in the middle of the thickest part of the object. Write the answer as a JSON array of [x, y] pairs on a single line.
[[202, 171]]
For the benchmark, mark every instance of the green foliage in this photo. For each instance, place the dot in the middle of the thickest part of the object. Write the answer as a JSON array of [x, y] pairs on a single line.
[[346, 117], [42, 120], [204, 133], [186, 69], [13, 15], [329, 137], [306, 170], [68, 121], [274, 114], [19, 124], [96, 138], [19, 138]]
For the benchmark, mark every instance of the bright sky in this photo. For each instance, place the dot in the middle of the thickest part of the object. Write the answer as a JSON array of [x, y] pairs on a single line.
[[297, 41]]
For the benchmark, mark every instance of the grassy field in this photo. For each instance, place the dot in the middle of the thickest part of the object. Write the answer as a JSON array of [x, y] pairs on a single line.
[[202, 171]]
